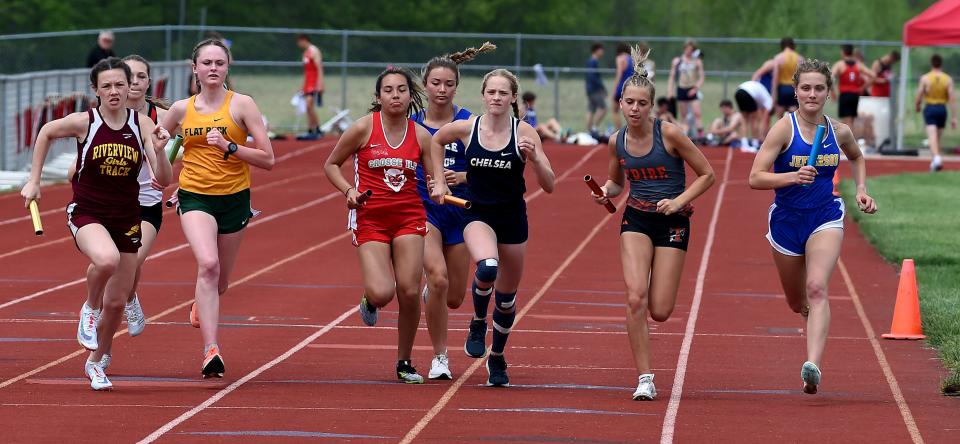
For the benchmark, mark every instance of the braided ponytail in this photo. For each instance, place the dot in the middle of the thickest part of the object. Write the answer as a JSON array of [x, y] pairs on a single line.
[[450, 61], [640, 77]]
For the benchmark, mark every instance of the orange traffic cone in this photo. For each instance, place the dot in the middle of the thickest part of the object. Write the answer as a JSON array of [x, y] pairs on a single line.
[[906, 313]]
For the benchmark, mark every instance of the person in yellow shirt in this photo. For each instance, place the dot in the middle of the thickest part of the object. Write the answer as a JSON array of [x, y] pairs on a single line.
[[784, 66], [214, 195], [936, 89]]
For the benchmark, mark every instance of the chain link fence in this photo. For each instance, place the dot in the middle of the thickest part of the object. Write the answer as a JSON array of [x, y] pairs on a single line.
[[268, 67]]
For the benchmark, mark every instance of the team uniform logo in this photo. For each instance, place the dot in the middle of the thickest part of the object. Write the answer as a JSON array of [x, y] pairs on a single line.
[[677, 234], [394, 178]]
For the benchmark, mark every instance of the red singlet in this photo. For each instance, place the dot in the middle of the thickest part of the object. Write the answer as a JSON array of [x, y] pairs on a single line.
[[310, 72], [395, 209]]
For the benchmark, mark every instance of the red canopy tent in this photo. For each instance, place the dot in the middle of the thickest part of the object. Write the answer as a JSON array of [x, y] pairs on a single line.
[[938, 25]]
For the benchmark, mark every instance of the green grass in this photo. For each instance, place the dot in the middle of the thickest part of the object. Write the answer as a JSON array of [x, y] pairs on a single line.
[[918, 221], [273, 88]]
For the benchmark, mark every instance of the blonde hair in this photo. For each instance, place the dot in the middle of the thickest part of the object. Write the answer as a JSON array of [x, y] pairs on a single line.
[[514, 85], [813, 65], [640, 78], [450, 61]]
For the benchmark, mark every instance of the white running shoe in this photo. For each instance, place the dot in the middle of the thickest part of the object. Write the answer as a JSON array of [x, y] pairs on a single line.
[[811, 377], [440, 368], [645, 389], [98, 379], [425, 294], [87, 330], [936, 164], [135, 318], [104, 363]]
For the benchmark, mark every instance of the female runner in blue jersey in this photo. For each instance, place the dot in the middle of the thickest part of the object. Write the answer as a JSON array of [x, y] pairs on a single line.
[[499, 146], [806, 220], [655, 230], [445, 260]]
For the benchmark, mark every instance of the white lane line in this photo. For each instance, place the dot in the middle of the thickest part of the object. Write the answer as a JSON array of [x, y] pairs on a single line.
[[670, 418], [448, 395], [180, 306], [882, 359], [236, 384], [174, 249], [289, 155]]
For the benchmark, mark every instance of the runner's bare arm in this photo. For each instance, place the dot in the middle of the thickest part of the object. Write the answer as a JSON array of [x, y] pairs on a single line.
[[349, 143], [761, 178], [449, 133], [532, 148]]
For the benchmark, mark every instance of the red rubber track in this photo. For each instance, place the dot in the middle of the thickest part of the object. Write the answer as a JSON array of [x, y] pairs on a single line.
[[301, 367]]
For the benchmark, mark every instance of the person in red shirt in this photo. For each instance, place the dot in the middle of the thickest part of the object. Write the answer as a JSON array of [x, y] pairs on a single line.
[[389, 227], [312, 89], [851, 75], [883, 67]]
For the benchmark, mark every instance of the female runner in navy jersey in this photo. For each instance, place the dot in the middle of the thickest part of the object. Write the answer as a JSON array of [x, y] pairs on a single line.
[[656, 223], [104, 214], [445, 259], [806, 220], [498, 148]]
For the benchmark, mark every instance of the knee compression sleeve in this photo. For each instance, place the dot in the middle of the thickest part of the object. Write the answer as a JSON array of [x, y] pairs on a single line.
[[486, 270]]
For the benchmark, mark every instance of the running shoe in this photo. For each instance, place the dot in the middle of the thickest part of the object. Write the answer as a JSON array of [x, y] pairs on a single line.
[[936, 164], [87, 330], [194, 319], [476, 346], [309, 135], [213, 363], [425, 294], [104, 363], [98, 379], [407, 374], [811, 377], [368, 312], [497, 371], [645, 389], [440, 368], [134, 314]]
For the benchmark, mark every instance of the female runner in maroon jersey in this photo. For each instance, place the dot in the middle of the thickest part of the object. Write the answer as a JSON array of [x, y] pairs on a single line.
[[389, 227], [104, 215]]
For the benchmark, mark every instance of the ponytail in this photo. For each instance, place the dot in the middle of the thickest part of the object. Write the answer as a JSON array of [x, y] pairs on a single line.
[[640, 78], [450, 61]]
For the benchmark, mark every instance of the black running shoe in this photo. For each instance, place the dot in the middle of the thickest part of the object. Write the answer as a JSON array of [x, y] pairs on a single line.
[[497, 371], [475, 345], [407, 374]]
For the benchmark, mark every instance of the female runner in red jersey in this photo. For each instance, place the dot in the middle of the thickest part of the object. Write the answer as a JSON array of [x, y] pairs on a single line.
[[104, 214], [389, 227]]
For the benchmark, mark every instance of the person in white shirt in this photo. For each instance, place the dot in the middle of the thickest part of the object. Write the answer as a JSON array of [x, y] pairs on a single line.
[[755, 104]]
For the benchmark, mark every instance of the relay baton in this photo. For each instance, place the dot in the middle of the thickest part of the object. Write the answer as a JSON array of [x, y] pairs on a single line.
[[362, 198], [817, 144], [35, 216], [173, 199], [456, 201], [174, 148], [592, 184]]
